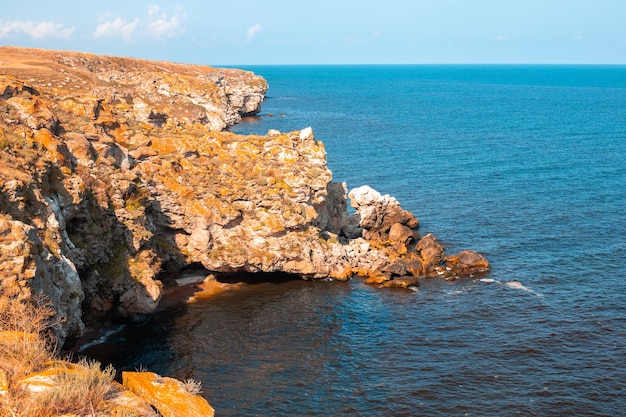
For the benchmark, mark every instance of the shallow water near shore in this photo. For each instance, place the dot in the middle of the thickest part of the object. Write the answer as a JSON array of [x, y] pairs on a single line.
[[522, 163]]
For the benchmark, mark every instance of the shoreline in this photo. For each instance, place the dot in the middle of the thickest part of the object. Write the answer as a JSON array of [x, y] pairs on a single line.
[[128, 174]]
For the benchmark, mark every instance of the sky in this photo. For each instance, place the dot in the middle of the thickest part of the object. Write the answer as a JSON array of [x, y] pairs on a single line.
[[260, 32]]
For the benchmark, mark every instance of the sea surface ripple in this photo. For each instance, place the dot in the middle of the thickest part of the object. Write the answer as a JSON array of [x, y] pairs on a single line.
[[525, 164]]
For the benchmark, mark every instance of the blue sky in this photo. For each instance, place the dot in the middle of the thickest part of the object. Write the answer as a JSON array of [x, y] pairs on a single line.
[[242, 32]]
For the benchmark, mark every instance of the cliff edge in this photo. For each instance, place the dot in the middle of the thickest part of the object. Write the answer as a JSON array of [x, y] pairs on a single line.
[[115, 170]]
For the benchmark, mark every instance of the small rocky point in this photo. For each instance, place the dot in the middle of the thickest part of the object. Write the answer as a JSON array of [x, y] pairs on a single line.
[[115, 171]]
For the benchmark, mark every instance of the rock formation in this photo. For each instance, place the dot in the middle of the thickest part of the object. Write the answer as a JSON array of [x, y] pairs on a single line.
[[113, 170]]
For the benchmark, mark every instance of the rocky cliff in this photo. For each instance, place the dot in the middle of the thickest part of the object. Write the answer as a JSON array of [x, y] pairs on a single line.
[[114, 170]]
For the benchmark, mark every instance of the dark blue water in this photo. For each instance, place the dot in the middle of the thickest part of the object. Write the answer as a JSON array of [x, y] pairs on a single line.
[[526, 164]]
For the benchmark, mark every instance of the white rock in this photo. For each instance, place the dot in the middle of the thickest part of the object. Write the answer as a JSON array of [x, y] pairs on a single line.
[[273, 132], [363, 196], [306, 133]]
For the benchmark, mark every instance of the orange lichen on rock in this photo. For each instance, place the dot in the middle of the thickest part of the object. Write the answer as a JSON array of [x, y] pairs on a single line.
[[167, 395], [123, 401], [113, 170]]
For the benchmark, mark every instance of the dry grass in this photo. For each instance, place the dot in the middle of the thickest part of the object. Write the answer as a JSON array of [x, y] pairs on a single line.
[[80, 390], [31, 346], [25, 348]]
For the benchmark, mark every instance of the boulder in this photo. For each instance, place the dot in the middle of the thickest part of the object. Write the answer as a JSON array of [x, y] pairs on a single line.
[[408, 281], [430, 253], [123, 401], [466, 263], [364, 196], [167, 395], [399, 233], [376, 213]]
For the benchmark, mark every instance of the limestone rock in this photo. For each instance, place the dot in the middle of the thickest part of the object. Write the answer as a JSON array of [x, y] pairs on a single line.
[[306, 133], [376, 213], [333, 213], [123, 401], [405, 281], [167, 395], [364, 196], [27, 267], [78, 132]]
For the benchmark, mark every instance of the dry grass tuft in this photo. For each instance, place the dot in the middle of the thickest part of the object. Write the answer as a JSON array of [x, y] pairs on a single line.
[[80, 390], [192, 386]]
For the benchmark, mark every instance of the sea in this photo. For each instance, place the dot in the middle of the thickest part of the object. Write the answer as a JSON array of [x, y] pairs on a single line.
[[525, 164]]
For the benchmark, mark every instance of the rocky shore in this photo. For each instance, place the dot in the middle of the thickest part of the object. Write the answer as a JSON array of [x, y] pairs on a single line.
[[115, 172]]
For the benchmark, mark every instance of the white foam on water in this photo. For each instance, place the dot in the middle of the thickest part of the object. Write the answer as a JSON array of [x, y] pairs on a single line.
[[102, 338], [512, 284], [519, 286]]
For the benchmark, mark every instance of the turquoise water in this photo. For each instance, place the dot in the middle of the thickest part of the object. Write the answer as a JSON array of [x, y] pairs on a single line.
[[525, 164]]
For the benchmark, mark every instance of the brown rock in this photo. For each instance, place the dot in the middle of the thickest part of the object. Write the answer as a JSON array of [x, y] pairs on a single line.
[[430, 252], [399, 233], [377, 277], [467, 262], [402, 282]]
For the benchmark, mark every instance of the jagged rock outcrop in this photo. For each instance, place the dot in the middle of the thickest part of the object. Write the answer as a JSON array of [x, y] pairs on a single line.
[[113, 170], [376, 213]]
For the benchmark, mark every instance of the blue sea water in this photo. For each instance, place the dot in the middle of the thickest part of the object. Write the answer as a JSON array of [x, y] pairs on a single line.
[[526, 164]]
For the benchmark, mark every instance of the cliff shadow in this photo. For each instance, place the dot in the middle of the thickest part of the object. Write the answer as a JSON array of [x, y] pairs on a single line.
[[252, 278]]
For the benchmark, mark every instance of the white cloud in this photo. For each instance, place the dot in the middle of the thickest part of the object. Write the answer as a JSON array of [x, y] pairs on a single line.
[[117, 27], [155, 25], [252, 32], [36, 30], [159, 25]]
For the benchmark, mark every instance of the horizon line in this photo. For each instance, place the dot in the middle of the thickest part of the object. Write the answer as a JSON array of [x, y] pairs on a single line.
[[426, 64]]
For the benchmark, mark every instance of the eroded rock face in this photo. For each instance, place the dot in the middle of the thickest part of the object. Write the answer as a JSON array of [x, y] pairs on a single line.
[[113, 170], [29, 266]]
